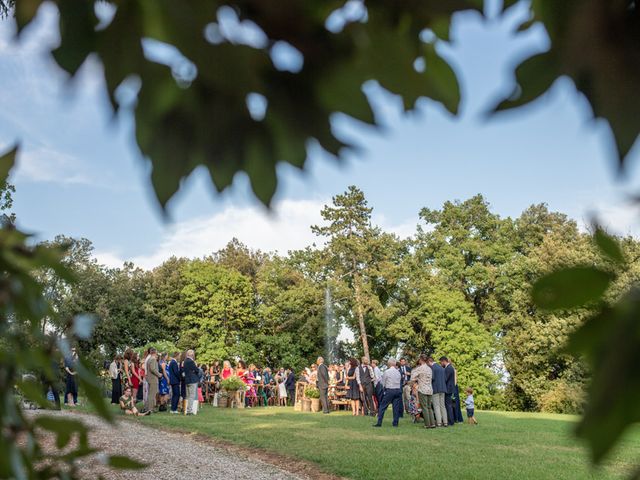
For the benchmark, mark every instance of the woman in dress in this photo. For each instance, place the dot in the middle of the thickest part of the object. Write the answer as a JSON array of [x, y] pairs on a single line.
[[116, 380], [135, 377], [126, 367], [227, 371], [282, 388], [340, 376], [241, 371], [163, 382], [353, 392]]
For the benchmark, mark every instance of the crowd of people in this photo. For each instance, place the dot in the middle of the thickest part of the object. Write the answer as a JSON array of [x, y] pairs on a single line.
[[428, 392]]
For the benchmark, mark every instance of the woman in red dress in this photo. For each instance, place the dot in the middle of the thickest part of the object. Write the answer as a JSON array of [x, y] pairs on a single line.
[[227, 371], [136, 377]]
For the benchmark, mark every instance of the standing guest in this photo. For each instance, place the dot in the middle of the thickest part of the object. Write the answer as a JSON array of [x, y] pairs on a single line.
[[391, 383], [152, 377], [457, 410], [267, 377], [71, 388], [353, 391], [290, 385], [128, 404], [145, 367], [339, 375], [183, 385], [377, 385], [227, 371], [332, 374], [469, 403], [439, 389], [450, 382], [163, 384], [174, 381], [116, 383], [365, 377], [281, 378], [322, 383], [215, 373], [243, 373], [127, 365], [141, 381], [405, 373], [422, 376], [241, 370], [191, 375]]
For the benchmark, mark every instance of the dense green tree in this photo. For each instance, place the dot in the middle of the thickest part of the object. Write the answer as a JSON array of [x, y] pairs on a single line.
[[291, 326], [238, 256], [440, 321], [470, 246], [217, 309]]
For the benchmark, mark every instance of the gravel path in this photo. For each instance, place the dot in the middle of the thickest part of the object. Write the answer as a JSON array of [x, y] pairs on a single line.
[[169, 455]]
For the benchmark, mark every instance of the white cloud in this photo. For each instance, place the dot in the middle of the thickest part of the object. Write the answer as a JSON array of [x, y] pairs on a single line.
[[618, 217], [286, 228], [42, 164]]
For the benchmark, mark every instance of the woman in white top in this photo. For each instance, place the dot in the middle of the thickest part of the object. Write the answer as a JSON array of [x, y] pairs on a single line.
[[282, 390]]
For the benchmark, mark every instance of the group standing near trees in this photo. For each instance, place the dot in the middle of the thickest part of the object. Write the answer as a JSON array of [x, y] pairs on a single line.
[[460, 285]]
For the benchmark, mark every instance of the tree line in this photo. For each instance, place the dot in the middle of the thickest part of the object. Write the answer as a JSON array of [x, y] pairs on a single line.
[[460, 286]]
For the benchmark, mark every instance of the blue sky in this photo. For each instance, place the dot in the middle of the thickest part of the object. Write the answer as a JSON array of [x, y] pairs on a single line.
[[81, 174]]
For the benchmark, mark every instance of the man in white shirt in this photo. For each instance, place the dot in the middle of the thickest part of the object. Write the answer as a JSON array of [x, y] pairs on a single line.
[[391, 382]]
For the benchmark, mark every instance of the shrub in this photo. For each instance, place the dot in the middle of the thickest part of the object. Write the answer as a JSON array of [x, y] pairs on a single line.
[[563, 397], [232, 383]]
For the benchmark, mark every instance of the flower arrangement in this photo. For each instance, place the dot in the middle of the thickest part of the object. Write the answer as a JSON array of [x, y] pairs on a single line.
[[311, 392], [232, 384]]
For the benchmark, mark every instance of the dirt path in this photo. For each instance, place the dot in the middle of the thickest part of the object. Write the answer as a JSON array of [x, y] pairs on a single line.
[[169, 455]]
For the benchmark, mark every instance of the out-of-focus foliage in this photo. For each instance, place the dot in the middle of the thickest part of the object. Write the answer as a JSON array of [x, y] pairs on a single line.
[[596, 44], [195, 108], [607, 339], [194, 111], [29, 360]]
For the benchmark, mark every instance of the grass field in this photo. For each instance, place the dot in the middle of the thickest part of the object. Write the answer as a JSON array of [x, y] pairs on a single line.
[[504, 445]]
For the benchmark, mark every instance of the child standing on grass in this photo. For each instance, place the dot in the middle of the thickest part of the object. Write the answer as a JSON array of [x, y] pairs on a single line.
[[470, 407]]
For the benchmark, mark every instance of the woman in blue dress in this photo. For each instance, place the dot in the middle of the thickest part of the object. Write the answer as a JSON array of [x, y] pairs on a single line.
[[163, 382]]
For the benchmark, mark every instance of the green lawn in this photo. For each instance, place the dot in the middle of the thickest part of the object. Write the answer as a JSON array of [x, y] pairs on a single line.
[[504, 445]]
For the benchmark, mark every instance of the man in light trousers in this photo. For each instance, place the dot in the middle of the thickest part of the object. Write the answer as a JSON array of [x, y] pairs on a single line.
[[422, 377], [191, 375], [439, 389]]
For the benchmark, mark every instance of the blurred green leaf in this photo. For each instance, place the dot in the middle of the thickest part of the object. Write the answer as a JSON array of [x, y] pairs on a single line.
[[7, 161], [570, 288], [609, 341], [608, 246], [90, 386], [64, 428], [32, 390], [122, 462]]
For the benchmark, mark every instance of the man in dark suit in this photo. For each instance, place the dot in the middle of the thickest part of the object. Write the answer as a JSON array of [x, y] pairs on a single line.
[[365, 378], [290, 385], [439, 390], [450, 382], [191, 374], [174, 377], [405, 375], [322, 382]]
